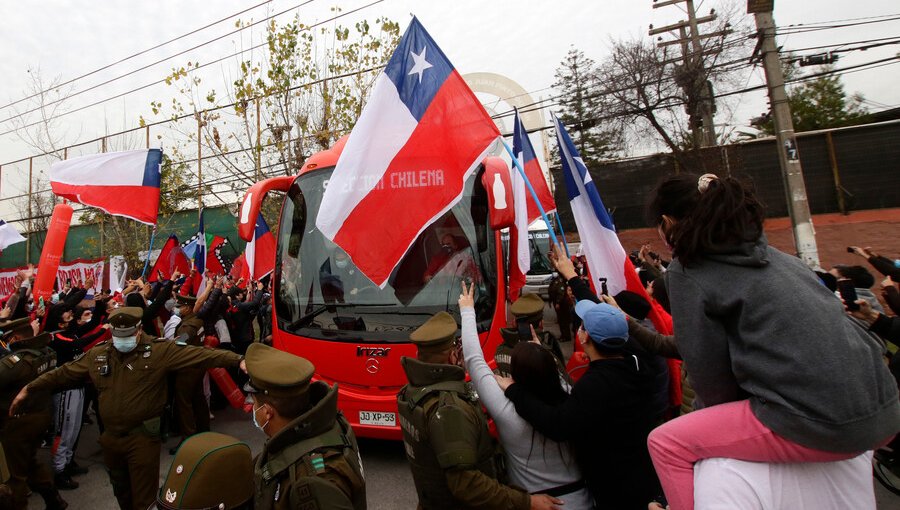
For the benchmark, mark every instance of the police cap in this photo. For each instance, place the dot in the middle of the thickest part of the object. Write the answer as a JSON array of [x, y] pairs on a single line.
[[185, 300], [277, 373], [210, 470], [125, 321], [436, 334], [529, 307], [21, 327]]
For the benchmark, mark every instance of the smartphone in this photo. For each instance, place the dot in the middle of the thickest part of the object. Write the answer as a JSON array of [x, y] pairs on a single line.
[[848, 293], [603, 290], [850, 249], [41, 302], [524, 328]]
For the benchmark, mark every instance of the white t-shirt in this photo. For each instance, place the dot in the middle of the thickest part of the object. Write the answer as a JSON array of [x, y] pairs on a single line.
[[721, 484]]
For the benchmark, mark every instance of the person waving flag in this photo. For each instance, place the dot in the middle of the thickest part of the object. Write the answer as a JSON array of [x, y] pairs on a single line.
[[119, 183], [421, 135]]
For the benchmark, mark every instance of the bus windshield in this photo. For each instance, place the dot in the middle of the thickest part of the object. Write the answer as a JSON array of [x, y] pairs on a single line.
[[320, 293]]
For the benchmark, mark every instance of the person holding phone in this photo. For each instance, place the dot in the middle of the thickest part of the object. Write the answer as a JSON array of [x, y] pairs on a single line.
[[762, 340], [528, 311]]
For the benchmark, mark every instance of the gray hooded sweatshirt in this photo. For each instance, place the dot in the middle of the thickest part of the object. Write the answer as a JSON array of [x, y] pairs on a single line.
[[753, 322]]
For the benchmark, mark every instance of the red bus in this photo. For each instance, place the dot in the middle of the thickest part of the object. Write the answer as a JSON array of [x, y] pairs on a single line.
[[354, 332]]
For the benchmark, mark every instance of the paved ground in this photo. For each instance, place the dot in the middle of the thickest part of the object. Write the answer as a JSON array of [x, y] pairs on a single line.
[[389, 481]]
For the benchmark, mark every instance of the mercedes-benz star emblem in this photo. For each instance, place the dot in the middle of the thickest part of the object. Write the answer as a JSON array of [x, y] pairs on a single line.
[[372, 366]]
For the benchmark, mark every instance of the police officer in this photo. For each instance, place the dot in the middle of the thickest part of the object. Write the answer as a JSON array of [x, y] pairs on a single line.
[[20, 435], [191, 407], [210, 470], [452, 456], [311, 459], [529, 312], [130, 376]]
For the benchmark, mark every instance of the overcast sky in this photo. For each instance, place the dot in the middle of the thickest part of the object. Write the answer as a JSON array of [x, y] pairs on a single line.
[[524, 40]]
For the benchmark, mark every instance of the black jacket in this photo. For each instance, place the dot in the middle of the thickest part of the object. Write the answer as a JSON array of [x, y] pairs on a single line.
[[606, 419]]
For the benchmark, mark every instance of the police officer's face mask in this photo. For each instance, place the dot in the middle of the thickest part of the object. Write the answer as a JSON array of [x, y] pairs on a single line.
[[125, 343], [256, 422], [341, 263]]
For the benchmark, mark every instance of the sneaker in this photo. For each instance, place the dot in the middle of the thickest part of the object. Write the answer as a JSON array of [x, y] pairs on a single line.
[[64, 482], [74, 469]]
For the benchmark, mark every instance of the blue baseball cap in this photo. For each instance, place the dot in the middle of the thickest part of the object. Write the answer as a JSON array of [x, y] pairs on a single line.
[[605, 324]]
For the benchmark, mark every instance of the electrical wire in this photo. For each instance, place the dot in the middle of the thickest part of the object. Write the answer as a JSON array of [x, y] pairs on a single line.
[[160, 61], [142, 52], [69, 112]]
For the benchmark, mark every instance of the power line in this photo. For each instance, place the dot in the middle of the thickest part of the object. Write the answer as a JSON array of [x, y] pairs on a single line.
[[117, 78], [117, 62], [801, 29], [63, 114]]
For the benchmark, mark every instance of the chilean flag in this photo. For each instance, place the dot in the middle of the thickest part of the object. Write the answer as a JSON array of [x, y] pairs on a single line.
[[119, 183], [421, 135], [605, 255], [259, 254], [525, 208]]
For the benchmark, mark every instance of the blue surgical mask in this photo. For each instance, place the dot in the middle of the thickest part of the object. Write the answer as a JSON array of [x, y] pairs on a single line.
[[255, 422], [176, 312], [125, 344]]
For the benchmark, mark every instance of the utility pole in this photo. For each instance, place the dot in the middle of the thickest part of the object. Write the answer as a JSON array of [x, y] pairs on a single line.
[[788, 153], [692, 75]]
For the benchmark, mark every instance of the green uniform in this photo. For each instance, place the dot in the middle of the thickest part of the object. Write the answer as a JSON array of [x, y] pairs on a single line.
[[452, 456], [191, 407], [21, 435], [313, 462], [132, 392]]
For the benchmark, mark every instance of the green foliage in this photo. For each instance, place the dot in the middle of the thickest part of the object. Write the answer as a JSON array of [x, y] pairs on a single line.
[[581, 108], [822, 104], [305, 90]]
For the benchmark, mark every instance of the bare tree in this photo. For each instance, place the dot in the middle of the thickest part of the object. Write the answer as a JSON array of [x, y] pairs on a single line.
[[648, 89]]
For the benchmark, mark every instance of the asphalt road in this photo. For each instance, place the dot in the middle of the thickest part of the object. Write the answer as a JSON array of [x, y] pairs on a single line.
[[389, 482]]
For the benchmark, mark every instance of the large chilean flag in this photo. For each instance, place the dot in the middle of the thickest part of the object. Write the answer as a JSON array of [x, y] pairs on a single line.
[[420, 136], [120, 183]]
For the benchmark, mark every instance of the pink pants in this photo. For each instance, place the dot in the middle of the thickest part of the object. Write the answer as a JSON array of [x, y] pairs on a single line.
[[727, 430]]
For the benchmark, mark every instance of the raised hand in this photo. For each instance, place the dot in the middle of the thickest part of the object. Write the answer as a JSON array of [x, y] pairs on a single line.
[[467, 298]]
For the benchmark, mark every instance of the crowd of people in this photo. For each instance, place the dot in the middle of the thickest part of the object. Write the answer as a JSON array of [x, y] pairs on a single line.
[[135, 409], [769, 362]]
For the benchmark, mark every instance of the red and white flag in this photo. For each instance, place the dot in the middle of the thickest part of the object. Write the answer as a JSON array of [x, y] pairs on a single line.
[[119, 183], [421, 135], [259, 254], [525, 207]]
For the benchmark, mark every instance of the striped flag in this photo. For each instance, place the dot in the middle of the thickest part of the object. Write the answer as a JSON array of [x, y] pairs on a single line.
[[420, 137], [606, 258], [525, 208], [119, 183]]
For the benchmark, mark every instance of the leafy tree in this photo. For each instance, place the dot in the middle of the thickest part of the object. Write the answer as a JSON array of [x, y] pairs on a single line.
[[821, 103], [304, 92], [582, 107]]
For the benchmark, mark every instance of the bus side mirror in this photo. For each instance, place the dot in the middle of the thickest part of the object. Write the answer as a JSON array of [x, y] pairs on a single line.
[[253, 201], [497, 183]]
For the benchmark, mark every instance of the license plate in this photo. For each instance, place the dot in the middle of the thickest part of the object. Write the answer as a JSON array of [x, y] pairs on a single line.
[[377, 419]]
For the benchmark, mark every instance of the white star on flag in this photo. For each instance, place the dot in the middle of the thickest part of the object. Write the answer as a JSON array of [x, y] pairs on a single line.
[[420, 63]]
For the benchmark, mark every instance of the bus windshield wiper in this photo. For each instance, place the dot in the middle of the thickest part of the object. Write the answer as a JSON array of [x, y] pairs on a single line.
[[306, 319]]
